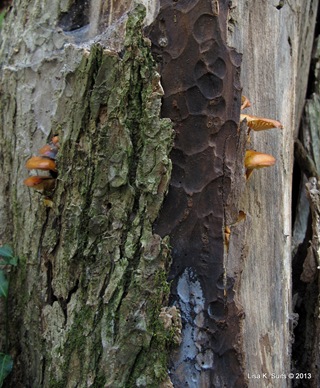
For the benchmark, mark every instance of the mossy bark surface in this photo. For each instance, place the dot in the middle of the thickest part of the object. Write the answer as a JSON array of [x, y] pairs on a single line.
[[86, 296]]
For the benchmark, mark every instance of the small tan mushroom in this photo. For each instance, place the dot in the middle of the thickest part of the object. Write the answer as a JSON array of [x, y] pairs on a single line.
[[260, 123], [245, 103], [40, 183], [55, 140], [41, 163], [49, 151], [227, 229], [254, 159]]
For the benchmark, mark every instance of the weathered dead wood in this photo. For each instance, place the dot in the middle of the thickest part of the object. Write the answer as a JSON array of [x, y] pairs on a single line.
[[200, 77], [276, 41]]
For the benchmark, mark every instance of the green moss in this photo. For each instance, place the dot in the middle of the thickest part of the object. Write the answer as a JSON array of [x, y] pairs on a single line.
[[76, 338], [19, 276], [99, 381], [75, 345], [56, 384], [2, 15]]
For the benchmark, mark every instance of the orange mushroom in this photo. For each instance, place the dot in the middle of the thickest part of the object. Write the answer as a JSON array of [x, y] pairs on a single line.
[[55, 140], [254, 159], [46, 162], [245, 103], [49, 150], [260, 123], [40, 183], [41, 163], [227, 229], [227, 233]]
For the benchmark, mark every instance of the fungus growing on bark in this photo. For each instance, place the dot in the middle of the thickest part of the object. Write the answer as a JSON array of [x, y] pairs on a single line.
[[245, 103], [55, 140], [49, 150], [254, 160], [260, 123], [227, 229], [227, 233], [41, 163], [45, 162], [40, 183]]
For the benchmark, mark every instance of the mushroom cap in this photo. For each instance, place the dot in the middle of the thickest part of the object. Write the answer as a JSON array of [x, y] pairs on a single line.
[[255, 159], [49, 150], [260, 123], [41, 163], [245, 103], [40, 183], [55, 140]]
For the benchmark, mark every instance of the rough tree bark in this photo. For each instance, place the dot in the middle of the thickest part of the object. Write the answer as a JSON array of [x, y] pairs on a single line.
[[88, 300], [85, 301]]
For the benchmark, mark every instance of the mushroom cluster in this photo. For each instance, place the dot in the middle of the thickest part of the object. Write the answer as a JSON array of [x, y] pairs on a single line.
[[254, 159], [44, 162]]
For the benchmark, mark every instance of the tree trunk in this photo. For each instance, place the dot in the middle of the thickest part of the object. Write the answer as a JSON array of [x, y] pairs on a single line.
[[276, 42], [86, 298], [88, 303]]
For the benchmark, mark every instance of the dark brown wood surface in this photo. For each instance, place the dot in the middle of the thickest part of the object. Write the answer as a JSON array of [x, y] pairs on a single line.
[[200, 77]]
